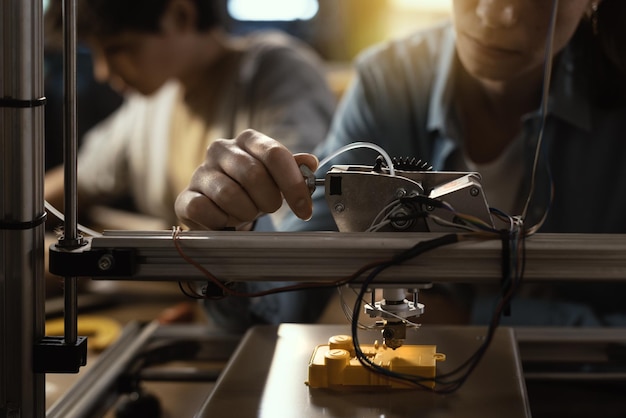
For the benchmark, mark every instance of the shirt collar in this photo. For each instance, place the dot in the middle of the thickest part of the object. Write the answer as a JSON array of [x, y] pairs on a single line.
[[440, 99], [570, 93]]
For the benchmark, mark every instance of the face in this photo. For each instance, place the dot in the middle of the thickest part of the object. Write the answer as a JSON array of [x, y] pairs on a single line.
[[136, 60], [503, 39]]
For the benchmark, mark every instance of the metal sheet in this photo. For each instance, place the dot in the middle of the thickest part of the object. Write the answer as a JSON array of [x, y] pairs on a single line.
[[265, 378]]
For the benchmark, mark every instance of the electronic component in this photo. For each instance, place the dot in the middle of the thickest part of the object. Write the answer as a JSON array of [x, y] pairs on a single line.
[[364, 198], [402, 195], [396, 311]]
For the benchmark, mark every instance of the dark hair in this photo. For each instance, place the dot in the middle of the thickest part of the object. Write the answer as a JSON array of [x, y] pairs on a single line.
[[103, 18]]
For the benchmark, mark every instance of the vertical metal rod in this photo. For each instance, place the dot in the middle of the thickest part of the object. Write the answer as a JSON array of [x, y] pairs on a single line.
[[70, 310], [22, 286], [71, 239], [69, 117]]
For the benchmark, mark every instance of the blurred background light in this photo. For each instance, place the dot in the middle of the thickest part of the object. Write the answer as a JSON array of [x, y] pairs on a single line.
[[272, 10]]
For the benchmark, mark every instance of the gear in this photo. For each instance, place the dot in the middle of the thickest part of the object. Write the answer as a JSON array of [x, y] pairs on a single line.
[[410, 164], [402, 163]]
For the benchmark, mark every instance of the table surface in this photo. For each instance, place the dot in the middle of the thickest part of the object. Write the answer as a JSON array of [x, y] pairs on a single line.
[[266, 377]]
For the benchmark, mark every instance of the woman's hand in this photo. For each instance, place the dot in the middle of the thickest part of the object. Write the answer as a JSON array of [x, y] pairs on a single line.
[[243, 178]]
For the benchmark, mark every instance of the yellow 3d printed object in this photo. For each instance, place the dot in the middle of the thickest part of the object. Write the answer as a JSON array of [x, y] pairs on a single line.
[[334, 365]]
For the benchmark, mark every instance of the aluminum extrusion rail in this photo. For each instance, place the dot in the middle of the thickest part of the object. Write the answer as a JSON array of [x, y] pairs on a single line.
[[329, 256]]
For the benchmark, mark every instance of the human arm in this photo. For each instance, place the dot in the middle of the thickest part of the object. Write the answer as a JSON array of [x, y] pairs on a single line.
[[376, 108], [281, 91], [285, 92], [241, 179], [371, 111]]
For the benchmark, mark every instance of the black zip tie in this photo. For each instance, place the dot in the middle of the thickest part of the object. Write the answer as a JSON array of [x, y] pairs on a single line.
[[18, 226], [19, 103]]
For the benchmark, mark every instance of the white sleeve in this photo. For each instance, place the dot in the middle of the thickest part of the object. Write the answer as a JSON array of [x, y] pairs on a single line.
[[103, 160], [125, 155]]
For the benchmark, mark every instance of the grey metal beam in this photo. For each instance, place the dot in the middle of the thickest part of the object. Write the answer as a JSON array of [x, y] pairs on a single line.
[[329, 256]]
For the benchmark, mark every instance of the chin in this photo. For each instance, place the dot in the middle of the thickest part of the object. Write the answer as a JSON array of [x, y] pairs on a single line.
[[494, 71], [493, 75]]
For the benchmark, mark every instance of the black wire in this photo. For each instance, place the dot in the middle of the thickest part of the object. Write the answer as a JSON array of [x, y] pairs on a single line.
[[513, 244], [446, 382], [505, 280], [547, 74], [188, 294], [418, 249]]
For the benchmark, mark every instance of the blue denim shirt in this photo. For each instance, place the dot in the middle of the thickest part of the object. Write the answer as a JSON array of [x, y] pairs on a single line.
[[401, 99]]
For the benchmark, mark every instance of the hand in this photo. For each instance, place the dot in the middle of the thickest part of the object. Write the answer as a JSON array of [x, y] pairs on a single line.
[[243, 178]]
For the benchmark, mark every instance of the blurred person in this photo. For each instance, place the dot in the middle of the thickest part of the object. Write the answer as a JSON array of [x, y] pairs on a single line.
[[94, 100], [466, 96], [186, 82]]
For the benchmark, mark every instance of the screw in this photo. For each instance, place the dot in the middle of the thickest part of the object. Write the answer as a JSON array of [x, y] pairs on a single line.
[[474, 191], [400, 193], [339, 207], [105, 262]]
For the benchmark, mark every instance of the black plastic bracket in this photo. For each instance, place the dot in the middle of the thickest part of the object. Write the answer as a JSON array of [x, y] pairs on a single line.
[[92, 263], [53, 355]]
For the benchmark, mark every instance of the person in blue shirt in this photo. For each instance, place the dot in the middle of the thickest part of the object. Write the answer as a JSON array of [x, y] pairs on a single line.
[[467, 96]]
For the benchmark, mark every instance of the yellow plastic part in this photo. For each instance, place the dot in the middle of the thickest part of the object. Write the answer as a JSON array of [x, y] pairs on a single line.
[[334, 365], [101, 331]]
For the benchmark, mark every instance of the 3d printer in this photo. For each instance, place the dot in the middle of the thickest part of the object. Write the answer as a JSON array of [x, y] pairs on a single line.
[[152, 255]]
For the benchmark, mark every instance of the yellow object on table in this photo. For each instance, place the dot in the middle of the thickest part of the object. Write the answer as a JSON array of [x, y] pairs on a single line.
[[335, 366], [100, 330]]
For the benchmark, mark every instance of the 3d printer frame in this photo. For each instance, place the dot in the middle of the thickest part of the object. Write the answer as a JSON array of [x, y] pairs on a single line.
[[231, 256]]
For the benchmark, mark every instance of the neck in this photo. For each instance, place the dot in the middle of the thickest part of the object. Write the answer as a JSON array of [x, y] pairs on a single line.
[[206, 51], [491, 111], [502, 98]]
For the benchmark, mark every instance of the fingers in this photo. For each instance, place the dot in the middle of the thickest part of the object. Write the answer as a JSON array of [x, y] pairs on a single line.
[[243, 178], [299, 199], [197, 211], [283, 169]]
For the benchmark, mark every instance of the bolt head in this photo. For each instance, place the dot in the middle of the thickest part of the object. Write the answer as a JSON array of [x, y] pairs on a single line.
[[105, 262]]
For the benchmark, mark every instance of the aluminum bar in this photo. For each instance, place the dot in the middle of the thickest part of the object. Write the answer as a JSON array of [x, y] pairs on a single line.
[[329, 256]]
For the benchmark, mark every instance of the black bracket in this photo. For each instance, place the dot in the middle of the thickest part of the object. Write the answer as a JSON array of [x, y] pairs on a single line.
[[53, 355], [92, 263]]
